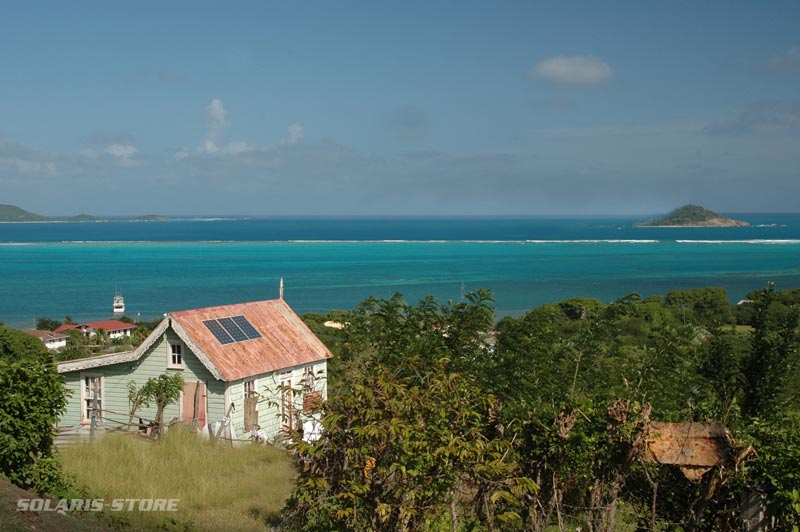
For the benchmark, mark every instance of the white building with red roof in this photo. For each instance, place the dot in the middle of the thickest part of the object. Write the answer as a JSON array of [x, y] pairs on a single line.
[[255, 367], [113, 328], [52, 340]]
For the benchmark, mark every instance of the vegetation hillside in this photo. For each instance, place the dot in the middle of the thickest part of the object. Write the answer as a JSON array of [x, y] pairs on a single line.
[[693, 216], [439, 419], [12, 213]]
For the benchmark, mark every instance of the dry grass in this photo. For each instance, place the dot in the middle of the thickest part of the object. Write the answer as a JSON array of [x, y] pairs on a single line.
[[220, 488]]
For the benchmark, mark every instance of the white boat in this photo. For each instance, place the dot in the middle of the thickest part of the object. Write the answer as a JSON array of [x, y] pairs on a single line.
[[119, 304]]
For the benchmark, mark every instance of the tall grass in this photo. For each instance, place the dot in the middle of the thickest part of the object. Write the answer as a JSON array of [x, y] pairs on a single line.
[[218, 487]]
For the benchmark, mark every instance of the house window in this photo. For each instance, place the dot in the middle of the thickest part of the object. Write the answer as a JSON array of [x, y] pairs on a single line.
[[250, 389], [308, 378], [92, 387], [175, 356]]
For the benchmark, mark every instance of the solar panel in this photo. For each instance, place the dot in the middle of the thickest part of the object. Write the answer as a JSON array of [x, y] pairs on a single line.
[[232, 330], [236, 333], [219, 333], [245, 326]]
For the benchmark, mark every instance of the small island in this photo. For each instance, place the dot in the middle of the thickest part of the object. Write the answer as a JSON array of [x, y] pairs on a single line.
[[12, 213], [693, 216]]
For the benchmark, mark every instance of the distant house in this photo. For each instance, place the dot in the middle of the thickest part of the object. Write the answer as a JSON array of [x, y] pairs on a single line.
[[51, 339], [113, 328], [255, 366]]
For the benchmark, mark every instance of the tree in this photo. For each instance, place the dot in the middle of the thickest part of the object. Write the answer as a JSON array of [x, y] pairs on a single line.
[[46, 324], [101, 337], [32, 399], [391, 330], [773, 356], [581, 308], [708, 306], [400, 448], [77, 346], [164, 390]]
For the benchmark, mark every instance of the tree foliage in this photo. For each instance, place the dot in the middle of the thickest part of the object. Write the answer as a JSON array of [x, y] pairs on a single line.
[[773, 357], [407, 446], [46, 324], [163, 390], [566, 394], [32, 398]]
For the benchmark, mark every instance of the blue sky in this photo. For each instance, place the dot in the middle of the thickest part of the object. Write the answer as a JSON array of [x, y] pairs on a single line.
[[399, 108]]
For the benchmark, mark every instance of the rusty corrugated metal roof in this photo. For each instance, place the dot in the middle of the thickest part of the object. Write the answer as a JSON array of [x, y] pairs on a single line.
[[285, 340]]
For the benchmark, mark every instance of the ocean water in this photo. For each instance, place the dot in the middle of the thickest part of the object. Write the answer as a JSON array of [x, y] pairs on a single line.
[[55, 269]]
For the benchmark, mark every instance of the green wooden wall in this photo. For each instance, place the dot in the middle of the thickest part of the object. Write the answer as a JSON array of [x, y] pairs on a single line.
[[154, 362]]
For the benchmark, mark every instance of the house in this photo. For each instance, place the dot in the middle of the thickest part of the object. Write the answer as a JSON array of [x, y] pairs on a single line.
[[113, 328], [50, 339], [255, 366]]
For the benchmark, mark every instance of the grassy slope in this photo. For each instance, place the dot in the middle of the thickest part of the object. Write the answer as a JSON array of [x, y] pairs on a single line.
[[220, 488]]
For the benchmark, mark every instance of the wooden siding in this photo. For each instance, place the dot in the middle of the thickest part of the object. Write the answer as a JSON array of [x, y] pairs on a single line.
[[269, 403], [152, 364]]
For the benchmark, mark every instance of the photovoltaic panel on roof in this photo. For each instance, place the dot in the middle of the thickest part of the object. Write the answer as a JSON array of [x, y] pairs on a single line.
[[232, 329], [246, 327], [219, 333], [236, 333]]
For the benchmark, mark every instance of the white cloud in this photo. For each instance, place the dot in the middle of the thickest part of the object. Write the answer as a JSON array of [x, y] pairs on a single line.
[[217, 114], [215, 144], [575, 70], [123, 154], [121, 151], [295, 132], [209, 147]]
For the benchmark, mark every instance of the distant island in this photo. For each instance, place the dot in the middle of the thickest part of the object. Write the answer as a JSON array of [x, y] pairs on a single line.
[[12, 213], [693, 216]]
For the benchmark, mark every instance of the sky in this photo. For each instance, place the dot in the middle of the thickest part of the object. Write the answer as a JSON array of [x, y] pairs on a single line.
[[399, 108]]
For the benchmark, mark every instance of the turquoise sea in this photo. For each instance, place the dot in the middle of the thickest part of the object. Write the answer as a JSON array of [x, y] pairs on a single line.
[[55, 269]]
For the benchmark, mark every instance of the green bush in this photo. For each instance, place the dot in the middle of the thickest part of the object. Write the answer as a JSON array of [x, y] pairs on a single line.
[[32, 398]]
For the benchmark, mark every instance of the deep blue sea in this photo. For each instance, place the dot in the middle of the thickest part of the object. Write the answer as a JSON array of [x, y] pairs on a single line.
[[55, 269]]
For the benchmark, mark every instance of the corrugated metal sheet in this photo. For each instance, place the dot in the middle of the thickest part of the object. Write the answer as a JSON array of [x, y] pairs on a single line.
[[694, 447], [689, 444], [285, 340]]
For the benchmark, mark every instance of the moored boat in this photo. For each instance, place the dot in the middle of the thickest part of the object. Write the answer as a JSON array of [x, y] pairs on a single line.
[[119, 304]]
